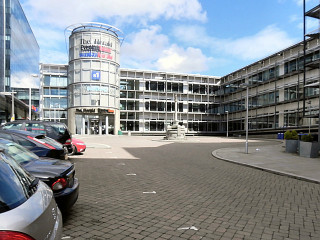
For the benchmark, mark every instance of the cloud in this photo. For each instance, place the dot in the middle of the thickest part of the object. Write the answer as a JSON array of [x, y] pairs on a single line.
[[146, 44], [62, 13], [193, 35], [177, 59], [22, 79], [265, 42], [151, 49]]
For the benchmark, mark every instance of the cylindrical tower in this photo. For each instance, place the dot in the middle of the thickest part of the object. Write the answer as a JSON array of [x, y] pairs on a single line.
[[93, 78]]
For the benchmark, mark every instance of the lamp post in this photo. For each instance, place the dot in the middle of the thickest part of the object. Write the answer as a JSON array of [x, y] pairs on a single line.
[[309, 103], [227, 112], [12, 106], [30, 116], [246, 85], [30, 103]]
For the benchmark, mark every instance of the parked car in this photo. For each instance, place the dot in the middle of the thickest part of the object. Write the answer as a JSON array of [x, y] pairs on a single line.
[[55, 130], [57, 174], [27, 208], [37, 143], [78, 146]]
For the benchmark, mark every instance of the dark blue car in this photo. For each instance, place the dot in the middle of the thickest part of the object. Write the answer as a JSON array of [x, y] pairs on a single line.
[[57, 174], [39, 144]]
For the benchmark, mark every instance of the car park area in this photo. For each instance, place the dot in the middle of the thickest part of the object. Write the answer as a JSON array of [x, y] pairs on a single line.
[[146, 188]]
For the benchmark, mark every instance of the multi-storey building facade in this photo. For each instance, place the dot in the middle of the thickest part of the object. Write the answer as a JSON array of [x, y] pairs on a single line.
[[53, 92], [279, 89], [147, 102], [19, 57], [278, 97]]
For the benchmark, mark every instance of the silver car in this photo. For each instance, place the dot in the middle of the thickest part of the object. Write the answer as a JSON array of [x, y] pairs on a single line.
[[27, 206]]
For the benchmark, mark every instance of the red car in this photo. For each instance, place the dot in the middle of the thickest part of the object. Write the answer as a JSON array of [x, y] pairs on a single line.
[[78, 146]]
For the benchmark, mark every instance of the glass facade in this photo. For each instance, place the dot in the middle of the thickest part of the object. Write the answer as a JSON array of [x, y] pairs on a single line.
[[2, 45], [54, 93], [21, 48], [19, 54]]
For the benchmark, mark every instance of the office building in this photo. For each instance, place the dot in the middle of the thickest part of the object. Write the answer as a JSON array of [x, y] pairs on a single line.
[[19, 54]]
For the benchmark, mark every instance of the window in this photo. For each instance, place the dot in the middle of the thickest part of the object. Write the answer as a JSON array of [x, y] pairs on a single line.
[[35, 127], [14, 184], [153, 86], [24, 142]]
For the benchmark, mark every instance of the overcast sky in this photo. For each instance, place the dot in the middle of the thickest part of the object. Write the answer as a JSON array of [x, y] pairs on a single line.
[[210, 37]]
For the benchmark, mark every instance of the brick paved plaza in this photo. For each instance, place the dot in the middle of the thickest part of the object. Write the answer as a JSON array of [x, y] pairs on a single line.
[[140, 188]]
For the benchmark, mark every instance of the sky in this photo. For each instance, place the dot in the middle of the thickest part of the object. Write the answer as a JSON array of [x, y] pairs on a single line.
[[208, 37]]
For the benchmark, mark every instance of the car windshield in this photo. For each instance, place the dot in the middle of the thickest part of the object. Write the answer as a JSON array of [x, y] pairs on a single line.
[[58, 128], [15, 184], [19, 153], [50, 141]]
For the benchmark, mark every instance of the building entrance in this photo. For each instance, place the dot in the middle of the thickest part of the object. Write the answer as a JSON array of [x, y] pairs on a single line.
[[94, 124]]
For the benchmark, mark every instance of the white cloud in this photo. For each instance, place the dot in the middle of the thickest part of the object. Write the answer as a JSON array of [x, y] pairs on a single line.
[[63, 13], [194, 35], [146, 44], [24, 80], [149, 49], [177, 59], [265, 42]]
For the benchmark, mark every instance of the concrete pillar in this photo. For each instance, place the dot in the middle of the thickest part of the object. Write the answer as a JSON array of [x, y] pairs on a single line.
[[72, 120], [116, 122], [100, 125], [281, 120], [89, 127], [107, 125], [83, 127]]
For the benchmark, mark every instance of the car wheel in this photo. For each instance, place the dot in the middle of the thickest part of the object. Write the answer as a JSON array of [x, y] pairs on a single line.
[[74, 150]]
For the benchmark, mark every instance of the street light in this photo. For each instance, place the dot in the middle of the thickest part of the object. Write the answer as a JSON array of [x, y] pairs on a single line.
[[309, 102], [12, 106], [30, 112], [246, 85], [227, 112]]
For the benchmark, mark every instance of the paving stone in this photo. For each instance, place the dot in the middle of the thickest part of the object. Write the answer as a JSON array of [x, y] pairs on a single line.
[[222, 200]]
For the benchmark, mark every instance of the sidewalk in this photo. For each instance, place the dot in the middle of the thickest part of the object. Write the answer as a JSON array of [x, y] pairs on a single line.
[[273, 159]]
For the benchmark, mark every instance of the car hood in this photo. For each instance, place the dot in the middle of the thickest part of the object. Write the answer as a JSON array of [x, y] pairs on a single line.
[[75, 140], [48, 168]]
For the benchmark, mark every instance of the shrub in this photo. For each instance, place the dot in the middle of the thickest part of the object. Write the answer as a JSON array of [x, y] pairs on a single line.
[[294, 135], [307, 138], [291, 135]]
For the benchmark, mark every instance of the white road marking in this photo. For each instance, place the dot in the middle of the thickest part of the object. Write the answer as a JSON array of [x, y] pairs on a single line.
[[131, 174], [189, 228], [153, 192]]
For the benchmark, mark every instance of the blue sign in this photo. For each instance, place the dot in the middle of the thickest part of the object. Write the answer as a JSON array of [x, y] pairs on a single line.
[[95, 75]]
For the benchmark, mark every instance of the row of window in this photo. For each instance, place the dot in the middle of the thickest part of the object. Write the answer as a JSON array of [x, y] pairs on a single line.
[[58, 114], [55, 81], [54, 102], [160, 126], [55, 91], [264, 76]]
